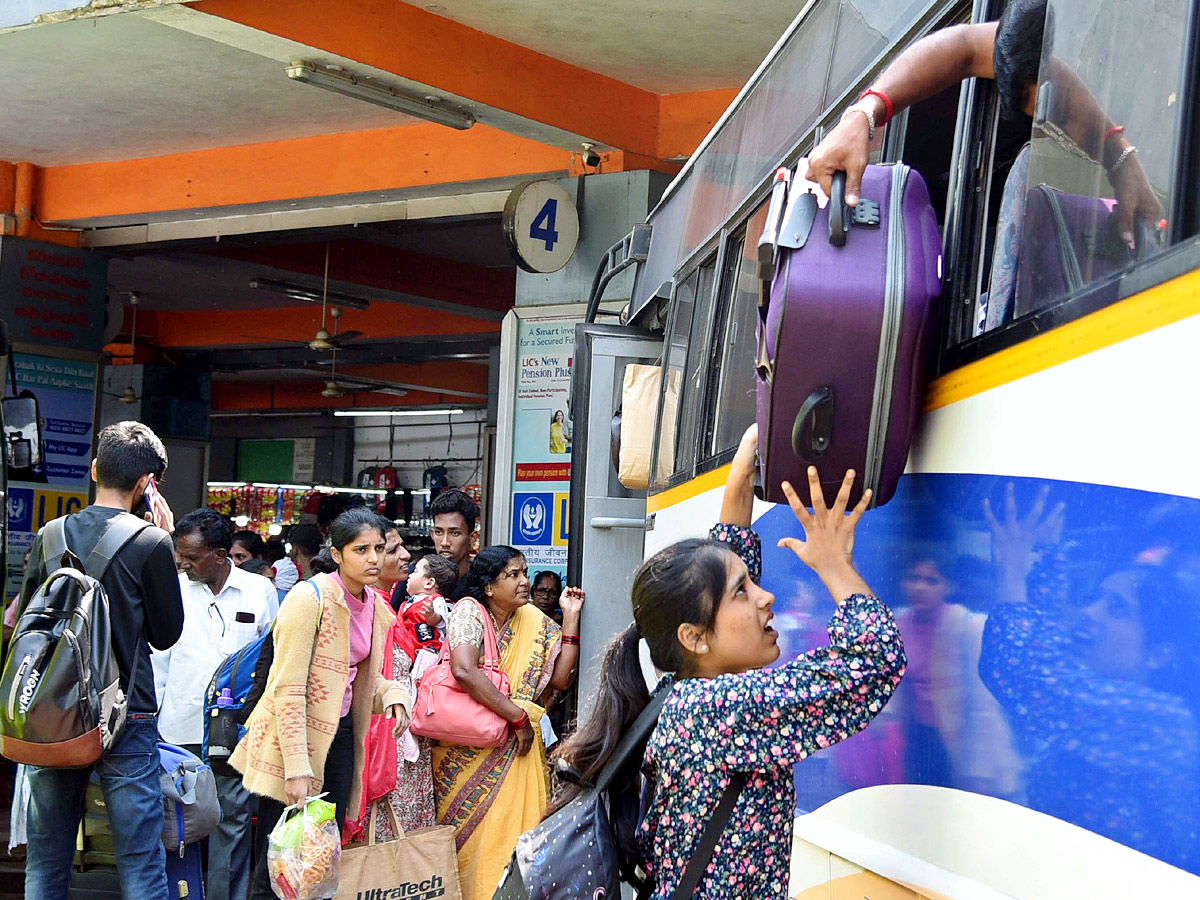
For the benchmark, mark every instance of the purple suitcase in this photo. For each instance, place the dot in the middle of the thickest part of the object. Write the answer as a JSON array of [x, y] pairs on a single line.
[[844, 336]]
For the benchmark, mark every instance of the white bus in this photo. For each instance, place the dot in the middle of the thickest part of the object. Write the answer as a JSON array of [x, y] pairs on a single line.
[[1045, 742]]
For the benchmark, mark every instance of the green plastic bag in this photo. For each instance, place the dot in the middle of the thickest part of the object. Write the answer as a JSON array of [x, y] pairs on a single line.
[[303, 852]]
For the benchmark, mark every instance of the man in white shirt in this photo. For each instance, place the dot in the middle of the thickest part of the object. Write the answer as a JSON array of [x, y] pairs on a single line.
[[224, 608]]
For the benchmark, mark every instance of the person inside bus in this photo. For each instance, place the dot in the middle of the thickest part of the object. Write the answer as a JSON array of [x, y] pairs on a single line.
[[1008, 51], [698, 606], [1101, 682]]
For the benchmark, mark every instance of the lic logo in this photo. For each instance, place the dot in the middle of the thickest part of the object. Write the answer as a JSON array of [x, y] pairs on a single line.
[[533, 519]]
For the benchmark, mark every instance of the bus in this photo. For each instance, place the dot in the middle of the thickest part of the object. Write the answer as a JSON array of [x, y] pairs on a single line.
[[1043, 548]]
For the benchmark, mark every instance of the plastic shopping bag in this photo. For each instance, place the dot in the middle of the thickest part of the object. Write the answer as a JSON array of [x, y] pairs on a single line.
[[303, 852]]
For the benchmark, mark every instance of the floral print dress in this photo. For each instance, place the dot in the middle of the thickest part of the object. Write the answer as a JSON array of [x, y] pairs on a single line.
[[760, 723]]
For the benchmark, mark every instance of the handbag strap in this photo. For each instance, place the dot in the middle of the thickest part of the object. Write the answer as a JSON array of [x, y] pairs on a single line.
[[708, 840], [637, 734], [491, 647], [397, 828]]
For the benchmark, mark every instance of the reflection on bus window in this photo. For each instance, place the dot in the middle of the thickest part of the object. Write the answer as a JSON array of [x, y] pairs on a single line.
[[1100, 164], [1053, 636], [674, 360], [734, 408], [692, 403]]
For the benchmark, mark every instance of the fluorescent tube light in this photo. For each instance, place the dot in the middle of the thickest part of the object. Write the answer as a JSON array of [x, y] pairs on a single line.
[[226, 484], [365, 413], [338, 80], [307, 294], [283, 487], [342, 490]]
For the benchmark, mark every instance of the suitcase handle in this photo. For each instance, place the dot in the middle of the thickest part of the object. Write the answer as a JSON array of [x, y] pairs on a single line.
[[839, 212], [819, 409]]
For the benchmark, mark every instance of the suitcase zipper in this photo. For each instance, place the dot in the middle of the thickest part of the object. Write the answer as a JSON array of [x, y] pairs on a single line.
[[889, 333]]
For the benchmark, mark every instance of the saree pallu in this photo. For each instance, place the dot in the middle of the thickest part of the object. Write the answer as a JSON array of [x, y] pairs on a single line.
[[490, 794]]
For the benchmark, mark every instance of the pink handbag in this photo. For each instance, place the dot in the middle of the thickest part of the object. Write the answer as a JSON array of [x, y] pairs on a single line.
[[445, 712]]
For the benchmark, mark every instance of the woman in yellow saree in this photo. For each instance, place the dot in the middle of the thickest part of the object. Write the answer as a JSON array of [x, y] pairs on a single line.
[[493, 794]]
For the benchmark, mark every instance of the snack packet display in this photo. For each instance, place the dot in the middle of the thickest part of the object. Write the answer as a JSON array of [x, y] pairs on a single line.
[[303, 852]]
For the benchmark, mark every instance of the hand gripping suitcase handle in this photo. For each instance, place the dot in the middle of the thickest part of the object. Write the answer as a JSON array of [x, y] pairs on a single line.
[[839, 212], [818, 409]]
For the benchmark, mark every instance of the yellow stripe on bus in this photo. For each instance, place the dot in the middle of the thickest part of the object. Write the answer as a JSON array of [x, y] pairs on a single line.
[[1161, 305], [1171, 301], [689, 489]]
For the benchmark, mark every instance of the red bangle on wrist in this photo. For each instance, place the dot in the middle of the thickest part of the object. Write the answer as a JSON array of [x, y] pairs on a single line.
[[521, 723], [1116, 129], [571, 639], [888, 109]]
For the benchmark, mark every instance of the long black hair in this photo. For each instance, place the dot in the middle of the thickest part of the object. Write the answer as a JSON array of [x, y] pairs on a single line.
[[680, 585], [486, 568]]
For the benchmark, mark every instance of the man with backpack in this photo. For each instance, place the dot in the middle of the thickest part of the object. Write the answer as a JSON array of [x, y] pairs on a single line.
[[145, 608], [225, 608]]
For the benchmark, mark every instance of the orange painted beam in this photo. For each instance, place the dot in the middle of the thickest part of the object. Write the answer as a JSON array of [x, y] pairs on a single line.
[[686, 119], [188, 328], [437, 375], [415, 44], [377, 265], [237, 395], [324, 166]]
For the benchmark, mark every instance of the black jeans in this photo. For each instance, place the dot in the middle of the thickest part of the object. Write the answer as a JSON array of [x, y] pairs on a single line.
[[339, 776]]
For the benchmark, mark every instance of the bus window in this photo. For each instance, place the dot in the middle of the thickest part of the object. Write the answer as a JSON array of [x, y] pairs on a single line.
[[1105, 66], [734, 408], [692, 400], [674, 360]]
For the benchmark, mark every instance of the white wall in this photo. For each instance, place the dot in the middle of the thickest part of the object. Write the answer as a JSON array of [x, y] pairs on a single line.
[[424, 438]]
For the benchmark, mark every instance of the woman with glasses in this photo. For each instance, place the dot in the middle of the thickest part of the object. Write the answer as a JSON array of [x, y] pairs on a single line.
[[547, 588], [493, 794]]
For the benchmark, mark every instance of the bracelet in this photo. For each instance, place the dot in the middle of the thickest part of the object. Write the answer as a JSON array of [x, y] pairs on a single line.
[[1116, 129], [870, 121], [888, 109], [571, 640], [521, 723], [1121, 159]]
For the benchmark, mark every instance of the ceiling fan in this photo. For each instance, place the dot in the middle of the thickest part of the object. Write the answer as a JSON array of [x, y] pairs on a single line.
[[322, 341], [332, 389]]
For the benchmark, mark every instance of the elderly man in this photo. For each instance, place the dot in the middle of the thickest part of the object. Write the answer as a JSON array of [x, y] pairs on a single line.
[[224, 608]]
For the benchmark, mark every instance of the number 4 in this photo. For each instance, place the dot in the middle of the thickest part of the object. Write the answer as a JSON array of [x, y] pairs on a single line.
[[543, 228]]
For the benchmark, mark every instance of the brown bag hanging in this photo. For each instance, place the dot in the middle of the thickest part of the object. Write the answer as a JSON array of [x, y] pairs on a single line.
[[639, 412], [418, 863]]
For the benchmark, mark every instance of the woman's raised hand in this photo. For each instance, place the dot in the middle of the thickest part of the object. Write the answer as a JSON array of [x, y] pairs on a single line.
[[828, 544], [571, 601], [737, 505]]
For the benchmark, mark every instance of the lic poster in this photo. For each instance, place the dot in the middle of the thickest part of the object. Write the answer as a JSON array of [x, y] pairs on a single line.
[[542, 443]]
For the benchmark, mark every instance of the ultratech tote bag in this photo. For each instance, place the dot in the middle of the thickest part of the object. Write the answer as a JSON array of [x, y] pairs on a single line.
[[639, 412], [420, 864]]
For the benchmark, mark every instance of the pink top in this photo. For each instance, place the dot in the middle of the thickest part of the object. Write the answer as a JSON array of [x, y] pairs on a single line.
[[362, 619]]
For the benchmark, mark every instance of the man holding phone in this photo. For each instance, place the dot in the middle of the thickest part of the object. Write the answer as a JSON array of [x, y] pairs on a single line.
[[224, 608], [144, 610]]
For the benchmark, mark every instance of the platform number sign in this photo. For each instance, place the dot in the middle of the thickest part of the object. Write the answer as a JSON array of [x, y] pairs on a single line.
[[541, 226]]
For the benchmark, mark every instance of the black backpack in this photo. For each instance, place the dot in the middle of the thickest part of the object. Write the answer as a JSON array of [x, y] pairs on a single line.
[[578, 852], [61, 702]]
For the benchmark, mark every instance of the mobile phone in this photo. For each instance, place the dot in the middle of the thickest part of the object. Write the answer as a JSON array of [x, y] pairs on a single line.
[[160, 512]]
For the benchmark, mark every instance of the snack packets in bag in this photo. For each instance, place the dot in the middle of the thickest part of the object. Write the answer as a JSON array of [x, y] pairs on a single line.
[[303, 851]]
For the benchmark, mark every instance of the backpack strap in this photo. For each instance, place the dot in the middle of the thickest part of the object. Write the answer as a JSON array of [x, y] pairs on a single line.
[[636, 736], [120, 531], [708, 840], [54, 543]]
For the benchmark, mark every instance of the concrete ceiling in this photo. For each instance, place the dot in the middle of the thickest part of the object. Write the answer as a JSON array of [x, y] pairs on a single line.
[[126, 87], [668, 46]]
